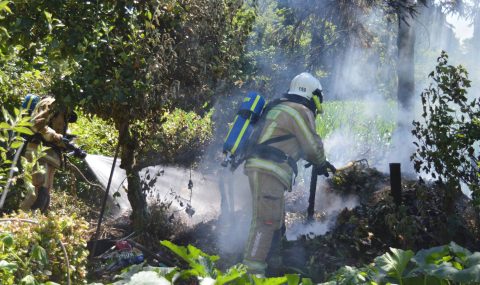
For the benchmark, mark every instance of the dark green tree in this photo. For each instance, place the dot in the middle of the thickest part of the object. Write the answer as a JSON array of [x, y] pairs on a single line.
[[129, 61]]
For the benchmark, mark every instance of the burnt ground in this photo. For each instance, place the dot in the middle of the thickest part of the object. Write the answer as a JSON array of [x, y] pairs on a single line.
[[425, 218]]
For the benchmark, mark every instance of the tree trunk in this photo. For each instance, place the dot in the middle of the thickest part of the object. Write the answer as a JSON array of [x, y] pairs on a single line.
[[135, 194], [405, 64]]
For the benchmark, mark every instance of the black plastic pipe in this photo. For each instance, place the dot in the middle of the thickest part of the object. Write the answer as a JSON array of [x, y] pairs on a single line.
[[396, 183]]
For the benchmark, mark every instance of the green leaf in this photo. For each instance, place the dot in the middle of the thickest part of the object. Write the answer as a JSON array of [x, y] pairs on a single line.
[[432, 255], [48, 16], [293, 279], [4, 6], [307, 281], [8, 240], [28, 280], [40, 254], [394, 264], [149, 15], [199, 261], [232, 274], [23, 130], [458, 250], [5, 31], [469, 275], [4, 125], [269, 281], [10, 267], [25, 123], [16, 144], [472, 260]]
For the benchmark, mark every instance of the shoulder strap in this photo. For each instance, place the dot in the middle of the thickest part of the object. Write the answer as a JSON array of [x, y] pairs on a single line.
[[301, 100], [277, 139], [291, 98]]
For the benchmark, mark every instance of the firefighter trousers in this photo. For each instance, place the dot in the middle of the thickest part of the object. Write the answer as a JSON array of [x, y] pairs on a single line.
[[268, 216], [43, 182]]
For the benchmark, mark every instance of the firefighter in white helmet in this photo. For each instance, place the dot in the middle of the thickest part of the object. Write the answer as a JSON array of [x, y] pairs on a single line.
[[287, 134]]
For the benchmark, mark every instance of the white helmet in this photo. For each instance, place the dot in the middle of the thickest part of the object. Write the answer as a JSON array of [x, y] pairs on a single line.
[[304, 85]]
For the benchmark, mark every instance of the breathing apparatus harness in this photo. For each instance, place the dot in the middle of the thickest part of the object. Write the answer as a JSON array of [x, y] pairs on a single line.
[[264, 150], [29, 103]]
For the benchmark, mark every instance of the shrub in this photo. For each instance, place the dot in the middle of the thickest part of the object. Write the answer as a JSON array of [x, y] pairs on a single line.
[[449, 129], [181, 137], [95, 135], [32, 250]]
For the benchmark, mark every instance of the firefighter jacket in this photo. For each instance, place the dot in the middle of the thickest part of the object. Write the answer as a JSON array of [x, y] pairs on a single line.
[[298, 121], [50, 124]]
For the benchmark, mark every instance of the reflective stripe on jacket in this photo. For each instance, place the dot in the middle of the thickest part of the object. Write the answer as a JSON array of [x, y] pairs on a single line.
[[289, 119]]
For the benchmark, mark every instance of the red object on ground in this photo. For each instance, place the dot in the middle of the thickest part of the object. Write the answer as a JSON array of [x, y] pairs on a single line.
[[123, 245]]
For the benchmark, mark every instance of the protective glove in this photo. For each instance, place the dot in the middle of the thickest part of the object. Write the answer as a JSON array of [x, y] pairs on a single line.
[[79, 153], [330, 167], [324, 170]]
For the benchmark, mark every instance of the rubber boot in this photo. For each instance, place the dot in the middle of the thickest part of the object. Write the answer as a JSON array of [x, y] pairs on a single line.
[[43, 200]]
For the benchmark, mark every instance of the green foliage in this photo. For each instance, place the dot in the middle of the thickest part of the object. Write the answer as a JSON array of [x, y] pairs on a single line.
[[437, 265], [180, 138], [94, 135], [33, 250], [13, 128], [201, 267], [449, 130], [357, 116], [19, 75], [371, 131]]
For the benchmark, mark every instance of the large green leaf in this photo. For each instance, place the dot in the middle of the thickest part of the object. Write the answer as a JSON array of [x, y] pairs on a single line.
[[200, 262], [472, 260], [231, 275], [432, 255], [468, 275], [394, 264], [269, 281], [39, 254]]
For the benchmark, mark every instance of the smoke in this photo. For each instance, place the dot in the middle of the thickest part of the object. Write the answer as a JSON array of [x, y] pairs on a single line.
[[327, 206], [362, 76]]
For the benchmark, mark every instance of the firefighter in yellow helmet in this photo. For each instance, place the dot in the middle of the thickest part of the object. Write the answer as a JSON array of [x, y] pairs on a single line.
[[288, 134], [50, 121]]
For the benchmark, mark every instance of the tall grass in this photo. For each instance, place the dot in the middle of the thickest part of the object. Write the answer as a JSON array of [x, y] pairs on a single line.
[[357, 129]]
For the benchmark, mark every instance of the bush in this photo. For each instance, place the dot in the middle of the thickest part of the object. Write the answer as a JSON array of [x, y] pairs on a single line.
[[95, 135], [33, 250], [449, 129], [181, 137]]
